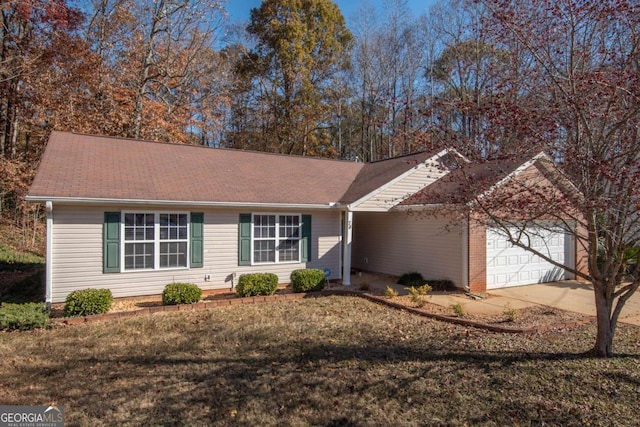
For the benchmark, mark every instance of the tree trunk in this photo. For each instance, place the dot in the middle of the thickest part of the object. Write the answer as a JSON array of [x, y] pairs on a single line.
[[14, 135], [606, 328]]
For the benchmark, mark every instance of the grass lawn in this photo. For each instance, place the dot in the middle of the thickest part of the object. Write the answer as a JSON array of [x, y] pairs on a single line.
[[332, 361]]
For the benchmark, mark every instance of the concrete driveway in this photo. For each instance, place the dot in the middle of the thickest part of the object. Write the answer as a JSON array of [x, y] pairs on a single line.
[[568, 295]]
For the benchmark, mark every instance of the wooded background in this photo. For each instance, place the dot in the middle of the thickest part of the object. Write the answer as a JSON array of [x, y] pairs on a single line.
[[495, 79], [296, 80]]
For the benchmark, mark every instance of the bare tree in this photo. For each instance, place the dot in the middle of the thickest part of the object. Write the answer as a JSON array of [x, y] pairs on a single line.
[[578, 98], [170, 40]]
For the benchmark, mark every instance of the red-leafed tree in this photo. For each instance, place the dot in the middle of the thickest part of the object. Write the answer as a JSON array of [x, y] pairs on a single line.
[[572, 89]]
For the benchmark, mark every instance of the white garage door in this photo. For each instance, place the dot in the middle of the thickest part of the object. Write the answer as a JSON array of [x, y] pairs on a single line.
[[509, 265]]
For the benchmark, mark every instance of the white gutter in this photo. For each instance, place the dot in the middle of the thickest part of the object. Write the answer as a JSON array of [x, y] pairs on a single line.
[[91, 200], [49, 246], [428, 206]]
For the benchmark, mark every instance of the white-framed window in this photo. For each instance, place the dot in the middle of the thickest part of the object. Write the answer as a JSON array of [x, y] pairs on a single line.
[[276, 238], [155, 240]]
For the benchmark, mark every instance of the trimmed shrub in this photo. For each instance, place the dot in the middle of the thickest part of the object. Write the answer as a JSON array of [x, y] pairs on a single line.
[[364, 286], [416, 279], [23, 316], [411, 279], [257, 284], [181, 293], [308, 280], [85, 302], [441, 285]]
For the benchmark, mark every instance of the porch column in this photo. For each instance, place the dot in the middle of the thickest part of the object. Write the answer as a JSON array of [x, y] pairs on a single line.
[[48, 255], [347, 236]]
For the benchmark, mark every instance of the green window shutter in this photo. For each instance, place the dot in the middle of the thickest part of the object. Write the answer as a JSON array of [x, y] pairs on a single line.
[[305, 244], [244, 239], [197, 239], [111, 243]]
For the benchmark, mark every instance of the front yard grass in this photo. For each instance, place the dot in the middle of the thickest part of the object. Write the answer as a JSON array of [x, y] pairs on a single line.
[[331, 361]]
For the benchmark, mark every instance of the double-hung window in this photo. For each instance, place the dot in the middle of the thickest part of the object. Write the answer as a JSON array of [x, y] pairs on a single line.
[[155, 240], [173, 240], [276, 238], [139, 241]]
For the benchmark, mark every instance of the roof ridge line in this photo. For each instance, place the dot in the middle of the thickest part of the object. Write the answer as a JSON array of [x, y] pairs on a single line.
[[228, 149]]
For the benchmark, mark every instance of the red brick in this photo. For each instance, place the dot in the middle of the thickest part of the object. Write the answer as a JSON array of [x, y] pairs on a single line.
[[477, 246]]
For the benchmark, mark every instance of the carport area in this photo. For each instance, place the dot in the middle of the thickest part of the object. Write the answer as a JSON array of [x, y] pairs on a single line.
[[568, 295]]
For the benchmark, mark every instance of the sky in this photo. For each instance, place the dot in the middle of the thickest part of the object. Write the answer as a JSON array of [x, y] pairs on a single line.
[[239, 9]]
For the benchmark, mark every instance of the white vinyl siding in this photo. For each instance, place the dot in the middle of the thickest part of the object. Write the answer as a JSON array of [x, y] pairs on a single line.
[[390, 196], [77, 252], [400, 242]]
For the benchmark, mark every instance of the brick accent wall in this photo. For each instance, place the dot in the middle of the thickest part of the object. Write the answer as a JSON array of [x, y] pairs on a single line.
[[477, 257]]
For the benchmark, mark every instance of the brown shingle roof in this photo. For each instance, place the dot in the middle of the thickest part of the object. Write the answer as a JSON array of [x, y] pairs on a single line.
[[460, 185], [96, 167], [374, 175]]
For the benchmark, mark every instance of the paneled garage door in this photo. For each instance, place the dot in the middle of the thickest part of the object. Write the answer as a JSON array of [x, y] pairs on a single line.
[[509, 265]]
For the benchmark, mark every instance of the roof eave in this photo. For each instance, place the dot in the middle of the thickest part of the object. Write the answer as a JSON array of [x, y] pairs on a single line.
[[108, 201], [354, 205], [512, 174], [415, 207]]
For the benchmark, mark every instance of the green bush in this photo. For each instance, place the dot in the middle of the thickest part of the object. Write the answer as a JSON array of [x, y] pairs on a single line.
[[23, 316], [416, 279], [364, 286], [441, 285], [181, 293], [411, 279], [85, 302], [257, 284], [308, 280]]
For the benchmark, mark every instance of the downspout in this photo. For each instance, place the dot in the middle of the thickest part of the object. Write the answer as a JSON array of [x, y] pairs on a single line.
[[465, 255], [341, 244], [49, 246], [346, 247]]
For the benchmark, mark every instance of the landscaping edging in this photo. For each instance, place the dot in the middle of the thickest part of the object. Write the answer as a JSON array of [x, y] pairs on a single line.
[[205, 305], [473, 323]]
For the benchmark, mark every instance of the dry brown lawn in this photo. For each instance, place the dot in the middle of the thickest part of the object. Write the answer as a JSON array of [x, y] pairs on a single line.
[[331, 361]]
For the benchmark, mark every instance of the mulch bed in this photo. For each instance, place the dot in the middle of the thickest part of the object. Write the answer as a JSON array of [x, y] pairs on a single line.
[[527, 320]]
